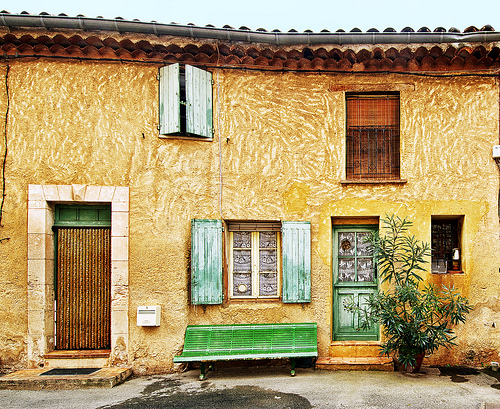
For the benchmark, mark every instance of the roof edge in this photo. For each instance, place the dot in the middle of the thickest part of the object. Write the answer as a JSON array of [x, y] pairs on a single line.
[[248, 36]]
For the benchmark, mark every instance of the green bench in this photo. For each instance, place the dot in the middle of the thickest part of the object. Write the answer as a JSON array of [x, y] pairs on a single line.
[[208, 343]]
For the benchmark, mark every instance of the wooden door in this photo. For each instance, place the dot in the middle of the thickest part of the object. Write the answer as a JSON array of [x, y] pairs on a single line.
[[354, 277], [83, 286]]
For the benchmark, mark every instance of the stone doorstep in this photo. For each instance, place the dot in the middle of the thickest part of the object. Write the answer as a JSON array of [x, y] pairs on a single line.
[[348, 349], [30, 379], [78, 354], [77, 358], [355, 363]]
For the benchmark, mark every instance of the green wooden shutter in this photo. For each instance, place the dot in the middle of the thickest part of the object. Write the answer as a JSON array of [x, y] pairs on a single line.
[[170, 113], [206, 262], [296, 239], [198, 102]]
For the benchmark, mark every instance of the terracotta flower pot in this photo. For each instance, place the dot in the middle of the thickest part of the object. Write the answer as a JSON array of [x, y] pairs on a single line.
[[419, 358], [413, 369]]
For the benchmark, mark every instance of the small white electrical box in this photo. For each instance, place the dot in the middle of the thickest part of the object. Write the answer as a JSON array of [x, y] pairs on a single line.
[[496, 151], [148, 316]]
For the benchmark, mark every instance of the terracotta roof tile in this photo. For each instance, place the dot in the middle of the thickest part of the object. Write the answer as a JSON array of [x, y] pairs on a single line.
[[61, 40], [392, 53], [202, 58], [78, 41], [94, 41], [107, 52], [432, 58], [111, 43], [208, 49]]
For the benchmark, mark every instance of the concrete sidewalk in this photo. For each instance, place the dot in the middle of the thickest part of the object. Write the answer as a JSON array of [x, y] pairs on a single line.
[[272, 387]]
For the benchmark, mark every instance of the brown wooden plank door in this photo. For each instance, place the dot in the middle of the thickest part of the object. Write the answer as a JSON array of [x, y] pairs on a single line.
[[83, 309]]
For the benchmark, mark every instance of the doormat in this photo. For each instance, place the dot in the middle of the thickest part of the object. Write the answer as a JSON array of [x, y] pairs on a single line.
[[70, 371]]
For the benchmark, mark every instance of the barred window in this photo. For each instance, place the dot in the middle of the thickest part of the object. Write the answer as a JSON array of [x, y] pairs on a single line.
[[372, 144]]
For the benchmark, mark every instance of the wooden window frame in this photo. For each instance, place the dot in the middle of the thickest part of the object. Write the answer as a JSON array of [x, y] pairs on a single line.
[[255, 273], [454, 232], [373, 137]]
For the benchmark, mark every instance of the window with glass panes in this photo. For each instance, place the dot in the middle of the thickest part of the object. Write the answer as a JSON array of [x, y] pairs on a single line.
[[254, 264], [355, 257]]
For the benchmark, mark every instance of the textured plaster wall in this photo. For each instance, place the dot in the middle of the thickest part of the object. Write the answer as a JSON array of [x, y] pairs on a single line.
[[282, 149]]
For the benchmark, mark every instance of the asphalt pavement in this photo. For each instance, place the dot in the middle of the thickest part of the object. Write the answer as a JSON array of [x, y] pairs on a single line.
[[273, 387]]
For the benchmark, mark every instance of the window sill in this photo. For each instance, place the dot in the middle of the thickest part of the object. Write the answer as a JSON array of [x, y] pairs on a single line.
[[448, 272], [373, 181], [253, 300], [187, 137]]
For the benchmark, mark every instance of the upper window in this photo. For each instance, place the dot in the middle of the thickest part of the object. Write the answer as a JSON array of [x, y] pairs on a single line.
[[185, 101], [372, 144], [446, 234]]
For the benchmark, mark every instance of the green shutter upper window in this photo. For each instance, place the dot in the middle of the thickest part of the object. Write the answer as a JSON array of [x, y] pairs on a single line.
[[185, 101], [206, 262], [296, 239]]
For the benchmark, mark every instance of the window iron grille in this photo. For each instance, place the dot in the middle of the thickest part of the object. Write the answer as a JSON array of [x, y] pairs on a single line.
[[372, 136], [372, 153]]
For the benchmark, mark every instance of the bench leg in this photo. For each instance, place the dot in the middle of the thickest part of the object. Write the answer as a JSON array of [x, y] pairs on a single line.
[[202, 371], [292, 361]]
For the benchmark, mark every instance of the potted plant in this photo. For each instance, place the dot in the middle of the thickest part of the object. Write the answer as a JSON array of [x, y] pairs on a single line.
[[416, 318]]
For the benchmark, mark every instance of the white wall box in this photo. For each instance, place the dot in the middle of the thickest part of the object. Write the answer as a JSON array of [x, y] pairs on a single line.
[[148, 316]]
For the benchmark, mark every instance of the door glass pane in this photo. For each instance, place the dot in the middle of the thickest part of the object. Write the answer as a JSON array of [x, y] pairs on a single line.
[[242, 260], [362, 248], [346, 244], [365, 269], [242, 240], [268, 284], [347, 269], [242, 284]]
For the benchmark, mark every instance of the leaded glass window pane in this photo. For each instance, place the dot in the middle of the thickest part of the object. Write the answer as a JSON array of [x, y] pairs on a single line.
[[242, 260], [268, 284], [242, 284], [346, 244], [365, 269], [268, 260], [242, 239], [267, 239], [362, 247], [347, 270]]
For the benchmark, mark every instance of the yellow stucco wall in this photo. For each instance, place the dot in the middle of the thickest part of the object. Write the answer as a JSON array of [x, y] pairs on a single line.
[[282, 149]]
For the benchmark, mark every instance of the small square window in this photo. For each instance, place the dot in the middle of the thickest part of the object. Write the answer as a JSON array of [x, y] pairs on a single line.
[[446, 237]]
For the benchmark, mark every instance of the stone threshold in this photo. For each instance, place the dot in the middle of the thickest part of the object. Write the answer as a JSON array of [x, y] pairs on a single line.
[[78, 354], [355, 363], [30, 379]]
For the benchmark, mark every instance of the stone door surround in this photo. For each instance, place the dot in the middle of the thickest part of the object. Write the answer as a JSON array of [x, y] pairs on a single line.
[[41, 204]]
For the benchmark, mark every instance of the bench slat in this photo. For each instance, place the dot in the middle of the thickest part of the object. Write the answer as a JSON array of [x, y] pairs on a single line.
[[252, 341]]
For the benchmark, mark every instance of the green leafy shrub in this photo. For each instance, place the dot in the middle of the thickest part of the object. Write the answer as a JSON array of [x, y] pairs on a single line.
[[416, 319]]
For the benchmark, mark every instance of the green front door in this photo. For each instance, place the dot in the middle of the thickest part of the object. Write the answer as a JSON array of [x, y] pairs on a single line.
[[354, 277]]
